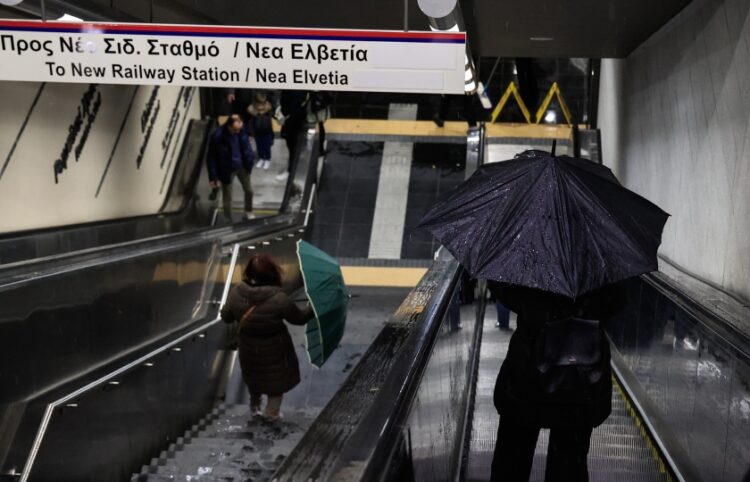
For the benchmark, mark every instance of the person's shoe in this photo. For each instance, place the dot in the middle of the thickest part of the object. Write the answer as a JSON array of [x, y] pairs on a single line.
[[266, 164], [273, 417], [259, 164], [249, 215], [283, 176]]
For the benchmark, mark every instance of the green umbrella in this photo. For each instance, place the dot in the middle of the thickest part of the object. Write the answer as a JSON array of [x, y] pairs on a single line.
[[324, 285]]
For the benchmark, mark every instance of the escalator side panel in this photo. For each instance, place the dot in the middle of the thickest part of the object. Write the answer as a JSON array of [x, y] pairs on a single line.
[[109, 431], [17, 247], [695, 384]]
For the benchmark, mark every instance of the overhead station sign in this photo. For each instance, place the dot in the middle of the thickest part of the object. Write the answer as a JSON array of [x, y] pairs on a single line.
[[220, 56]]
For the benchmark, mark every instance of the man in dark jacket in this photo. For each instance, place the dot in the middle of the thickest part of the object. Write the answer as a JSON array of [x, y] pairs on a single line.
[[229, 154]]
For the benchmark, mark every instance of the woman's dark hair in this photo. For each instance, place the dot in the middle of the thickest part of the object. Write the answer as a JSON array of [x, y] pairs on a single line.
[[263, 269]]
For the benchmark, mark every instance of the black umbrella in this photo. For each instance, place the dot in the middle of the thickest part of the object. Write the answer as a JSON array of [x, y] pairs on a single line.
[[558, 224]]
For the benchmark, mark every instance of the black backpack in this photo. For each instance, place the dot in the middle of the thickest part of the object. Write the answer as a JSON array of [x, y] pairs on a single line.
[[571, 358]]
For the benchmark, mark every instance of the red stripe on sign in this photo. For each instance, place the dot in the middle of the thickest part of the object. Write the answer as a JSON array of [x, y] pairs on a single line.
[[204, 29]]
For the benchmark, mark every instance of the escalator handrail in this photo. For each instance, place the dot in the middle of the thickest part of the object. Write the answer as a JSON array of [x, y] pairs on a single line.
[[365, 436], [135, 249], [49, 410], [34, 269], [393, 403], [718, 328]]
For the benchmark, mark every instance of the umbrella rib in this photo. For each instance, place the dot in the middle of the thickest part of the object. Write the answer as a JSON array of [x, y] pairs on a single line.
[[512, 211], [567, 251], [631, 242]]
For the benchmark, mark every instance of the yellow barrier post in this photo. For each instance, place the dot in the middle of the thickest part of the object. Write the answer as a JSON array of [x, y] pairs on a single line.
[[554, 91], [511, 90]]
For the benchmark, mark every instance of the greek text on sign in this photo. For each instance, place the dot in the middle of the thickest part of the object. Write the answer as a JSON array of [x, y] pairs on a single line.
[[218, 56]]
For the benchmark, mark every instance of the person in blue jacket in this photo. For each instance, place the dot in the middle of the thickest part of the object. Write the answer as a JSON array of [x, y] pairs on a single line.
[[229, 154]]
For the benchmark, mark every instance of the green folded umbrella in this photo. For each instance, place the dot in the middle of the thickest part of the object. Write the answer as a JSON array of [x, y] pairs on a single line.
[[324, 285]]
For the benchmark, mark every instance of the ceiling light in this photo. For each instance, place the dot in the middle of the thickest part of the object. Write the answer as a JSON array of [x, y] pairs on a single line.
[[542, 39], [550, 118], [69, 18]]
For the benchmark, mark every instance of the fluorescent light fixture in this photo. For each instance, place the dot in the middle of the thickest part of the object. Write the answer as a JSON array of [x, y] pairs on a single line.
[[550, 118], [454, 28], [69, 18], [542, 39], [483, 98]]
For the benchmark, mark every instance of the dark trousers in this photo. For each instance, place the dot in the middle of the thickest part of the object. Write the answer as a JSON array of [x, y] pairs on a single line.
[[503, 315], [264, 143], [291, 131], [321, 139], [514, 453], [226, 192]]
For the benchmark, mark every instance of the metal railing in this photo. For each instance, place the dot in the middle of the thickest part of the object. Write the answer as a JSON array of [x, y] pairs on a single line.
[[111, 376]]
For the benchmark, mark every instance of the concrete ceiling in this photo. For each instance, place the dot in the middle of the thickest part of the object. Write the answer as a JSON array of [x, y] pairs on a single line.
[[577, 28], [505, 28]]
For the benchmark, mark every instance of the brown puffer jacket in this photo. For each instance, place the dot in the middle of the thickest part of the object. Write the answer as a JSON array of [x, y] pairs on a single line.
[[269, 363]]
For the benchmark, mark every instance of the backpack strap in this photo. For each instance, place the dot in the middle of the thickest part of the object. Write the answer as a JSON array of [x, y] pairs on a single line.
[[246, 317]]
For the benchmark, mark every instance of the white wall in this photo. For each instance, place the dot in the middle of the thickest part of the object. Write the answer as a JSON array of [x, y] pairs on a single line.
[[675, 128], [29, 196]]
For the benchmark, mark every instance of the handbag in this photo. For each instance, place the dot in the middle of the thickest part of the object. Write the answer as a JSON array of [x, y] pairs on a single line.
[[235, 329], [569, 355]]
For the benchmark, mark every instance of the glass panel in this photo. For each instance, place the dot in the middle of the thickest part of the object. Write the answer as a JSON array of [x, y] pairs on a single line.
[[436, 420]]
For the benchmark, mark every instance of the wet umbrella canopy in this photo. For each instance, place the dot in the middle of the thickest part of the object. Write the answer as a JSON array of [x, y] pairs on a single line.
[[324, 285], [558, 224]]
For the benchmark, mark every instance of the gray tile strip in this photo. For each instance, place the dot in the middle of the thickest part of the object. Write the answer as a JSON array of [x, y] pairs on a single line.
[[393, 189]]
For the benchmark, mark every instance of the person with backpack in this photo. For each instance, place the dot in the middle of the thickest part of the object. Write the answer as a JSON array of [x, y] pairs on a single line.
[[261, 128], [267, 357], [556, 375]]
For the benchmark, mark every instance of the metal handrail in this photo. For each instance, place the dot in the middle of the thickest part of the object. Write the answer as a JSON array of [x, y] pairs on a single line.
[[309, 203], [41, 432]]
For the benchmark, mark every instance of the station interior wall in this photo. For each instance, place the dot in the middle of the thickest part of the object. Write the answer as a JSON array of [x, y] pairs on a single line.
[[675, 121], [125, 161]]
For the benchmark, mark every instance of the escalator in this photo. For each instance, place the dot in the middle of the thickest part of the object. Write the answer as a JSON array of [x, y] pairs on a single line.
[[95, 344], [410, 400], [419, 406], [230, 444], [619, 449]]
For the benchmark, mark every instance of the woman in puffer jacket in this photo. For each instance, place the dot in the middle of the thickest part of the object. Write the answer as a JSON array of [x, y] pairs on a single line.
[[266, 352]]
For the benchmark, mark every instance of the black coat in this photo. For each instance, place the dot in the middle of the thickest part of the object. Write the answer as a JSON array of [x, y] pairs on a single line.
[[519, 391], [266, 352]]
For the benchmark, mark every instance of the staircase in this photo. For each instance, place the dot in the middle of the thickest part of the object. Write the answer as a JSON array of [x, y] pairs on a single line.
[[228, 445]]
